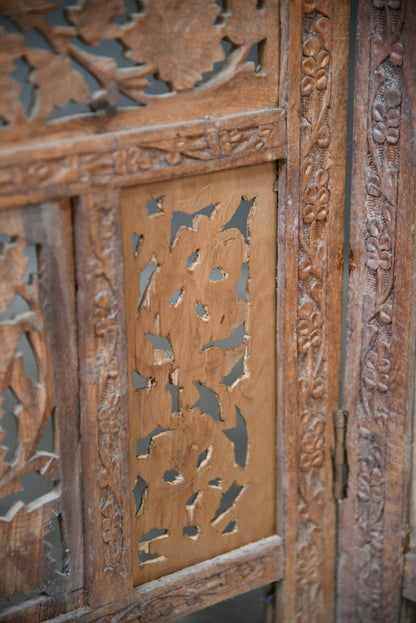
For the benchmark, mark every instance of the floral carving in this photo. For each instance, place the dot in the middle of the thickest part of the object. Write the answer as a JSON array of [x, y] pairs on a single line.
[[383, 154], [188, 45], [313, 270]]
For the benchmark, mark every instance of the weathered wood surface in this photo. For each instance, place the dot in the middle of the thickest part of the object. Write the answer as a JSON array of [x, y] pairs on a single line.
[[129, 157], [36, 265], [103, 396], [310, 244], [380, 341], [198, 61], [201, 365], [194, 588]]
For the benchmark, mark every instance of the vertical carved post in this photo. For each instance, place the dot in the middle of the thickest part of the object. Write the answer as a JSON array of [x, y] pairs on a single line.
[[311, 243], [378, 360], [103, 396]]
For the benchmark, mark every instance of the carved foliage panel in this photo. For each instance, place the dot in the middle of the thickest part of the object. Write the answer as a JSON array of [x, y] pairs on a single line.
[[200, 300], [101, 57], [39, 506]]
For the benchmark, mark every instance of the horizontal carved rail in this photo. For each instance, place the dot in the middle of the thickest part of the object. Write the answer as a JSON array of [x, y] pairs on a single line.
[[73, 166], [194, 588]]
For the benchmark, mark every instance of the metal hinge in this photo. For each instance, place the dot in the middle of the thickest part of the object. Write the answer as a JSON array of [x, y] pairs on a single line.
[[340, 455]]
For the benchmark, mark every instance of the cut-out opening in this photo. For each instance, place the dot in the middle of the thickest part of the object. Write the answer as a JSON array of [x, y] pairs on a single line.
[[257, 55], [217, 274], [239, 438], [136, 242], [239, 219], [204, 458], [55, 539], [139, 493], [228, 500], [208, 402], [201, 311], [162, 349], [182, 219], [21, 75], [46, 442], [139, 381], [8, 423], [154, 534], [146, 557], [235, 339], [32, 254], [173, 476], [18, 598], [145, 279], [34, 486], [17, 306], [227, 47], [215, 483], [192, 500], [157, 86], [144, 444], [154, 206], [175, 392], [176, 298], [242, 283], [30, 365], [235, 375], [230, 528], [192, 532], [192, 260]]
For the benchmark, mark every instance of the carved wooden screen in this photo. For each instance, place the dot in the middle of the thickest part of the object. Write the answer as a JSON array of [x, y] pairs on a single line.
[[191, 401]]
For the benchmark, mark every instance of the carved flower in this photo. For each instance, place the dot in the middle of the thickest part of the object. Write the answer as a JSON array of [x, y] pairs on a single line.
[[386, 116], [308, 565], [305, 267], [314, 67], [316, 196], [386, 313], [378, 246], [108, 418], [104, 320], [312, 443], [131, 160], [370, 483], [178, 55], [111, 523], [377, 368], [309, 327]]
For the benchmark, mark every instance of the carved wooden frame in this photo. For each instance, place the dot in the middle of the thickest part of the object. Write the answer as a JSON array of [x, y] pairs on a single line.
[[308, 138]]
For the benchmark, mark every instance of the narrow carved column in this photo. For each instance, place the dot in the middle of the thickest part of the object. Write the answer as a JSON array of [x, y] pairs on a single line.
[[104, 423]]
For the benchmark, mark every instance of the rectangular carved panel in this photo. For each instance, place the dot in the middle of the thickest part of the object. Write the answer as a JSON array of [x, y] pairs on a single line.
[[40, 514], [200, 258]]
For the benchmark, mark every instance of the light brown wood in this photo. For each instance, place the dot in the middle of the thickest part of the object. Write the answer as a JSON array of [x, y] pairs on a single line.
[[217, 432]]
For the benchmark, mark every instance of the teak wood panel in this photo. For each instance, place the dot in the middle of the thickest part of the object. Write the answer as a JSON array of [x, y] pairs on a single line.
[[202, 365]]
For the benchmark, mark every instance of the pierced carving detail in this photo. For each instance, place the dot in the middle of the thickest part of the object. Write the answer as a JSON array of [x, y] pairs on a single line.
[[24, 553], [69, 65]]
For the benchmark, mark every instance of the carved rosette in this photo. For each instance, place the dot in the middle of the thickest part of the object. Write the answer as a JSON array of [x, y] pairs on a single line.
[[311, 329], [382, 165]]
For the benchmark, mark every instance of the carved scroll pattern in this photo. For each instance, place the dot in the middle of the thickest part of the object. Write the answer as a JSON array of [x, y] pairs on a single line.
[[383, 154], [196, 363], [68, 61], [25, 558], [110, 405], [313, 270]]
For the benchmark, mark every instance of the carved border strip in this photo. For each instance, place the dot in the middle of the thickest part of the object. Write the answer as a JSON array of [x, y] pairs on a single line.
[[194, 588], [379, 311], [322, 152], [71, 167], [103, 394]]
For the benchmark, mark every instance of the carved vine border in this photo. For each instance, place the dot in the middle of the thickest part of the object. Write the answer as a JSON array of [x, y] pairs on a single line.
[[313, 272], [381, 205]]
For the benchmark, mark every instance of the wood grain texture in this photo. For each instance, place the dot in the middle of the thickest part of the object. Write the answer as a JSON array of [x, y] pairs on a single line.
[[379, 359], [310, 259], [103, 396], [129, 157], [106, 60], [37, 266], [194, 588], [202, 406]]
